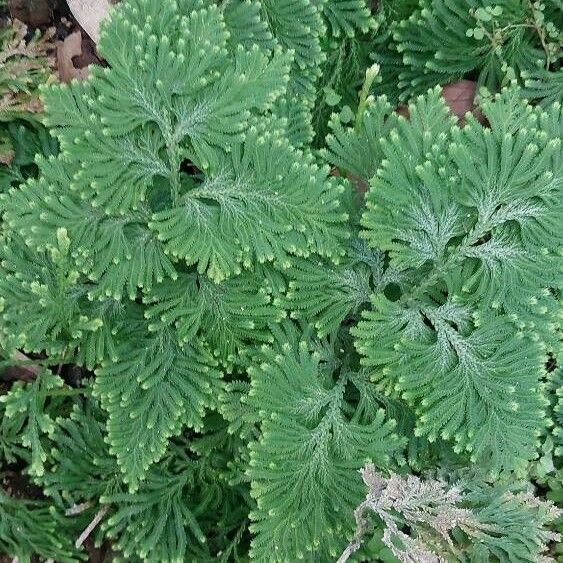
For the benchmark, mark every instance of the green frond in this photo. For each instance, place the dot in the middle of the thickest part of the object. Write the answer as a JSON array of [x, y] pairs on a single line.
[[19, 143], [243, 417], [29, 528], [420, 454], [298, 26], [347, 17], [246, 23], [514, 523], [356, 149], [481, 204], [325, 294], [511, 181], [545, 87], [295, 119], [154, 389], [42, 298], [128, 130], [82, 470], [156, 523], [421, 231], [116, 251], [310, 446], [260, 206], [441, 42], [26, 406], [185, 510], [478, 213], [11, 448], [97, 346], [227, 316], [476, 386]]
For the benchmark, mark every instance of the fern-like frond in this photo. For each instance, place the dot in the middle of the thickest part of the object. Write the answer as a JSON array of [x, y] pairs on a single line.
[[227, 315], [515, 524], [470, 520], [19, 143], [355, 150], [346, 17], [25, 404], [545, 87], [155, 388], [476, 386], [325, 294], [156, 523], [442, 42], [128, 129], [116, 251], [82, 469], [29, 528], [309, 447], [260, 206], [41, 298], [478, 212]]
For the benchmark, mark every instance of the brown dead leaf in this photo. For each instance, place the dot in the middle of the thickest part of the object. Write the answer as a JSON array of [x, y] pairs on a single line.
[[90, 14], [74, 55], [27, 371], [460, 97], [403, 110], [35, 13]]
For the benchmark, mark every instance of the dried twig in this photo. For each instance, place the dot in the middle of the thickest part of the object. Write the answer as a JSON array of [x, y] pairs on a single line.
[[78, 508], [90, 528]]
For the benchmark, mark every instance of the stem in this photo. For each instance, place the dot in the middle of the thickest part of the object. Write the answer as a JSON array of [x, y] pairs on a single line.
[[371, 74], [68, 392], [78, 508], [477, 232], [60, 366], [174, 176]]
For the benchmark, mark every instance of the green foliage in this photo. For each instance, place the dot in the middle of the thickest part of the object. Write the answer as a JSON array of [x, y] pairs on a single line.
[[441, 42], [153, 389], [22, 142], [312, 443], [512, 522], [29, 528], [24, 66], [40, 299], [25, 405], [244, 278], [171, 158], [81, 468], [469, 214]]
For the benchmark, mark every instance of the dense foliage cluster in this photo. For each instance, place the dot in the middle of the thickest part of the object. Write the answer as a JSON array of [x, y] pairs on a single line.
[[242, 277]]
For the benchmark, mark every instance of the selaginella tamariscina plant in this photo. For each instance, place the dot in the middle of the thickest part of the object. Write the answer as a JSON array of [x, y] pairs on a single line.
[[256, 335], [175, 193]]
